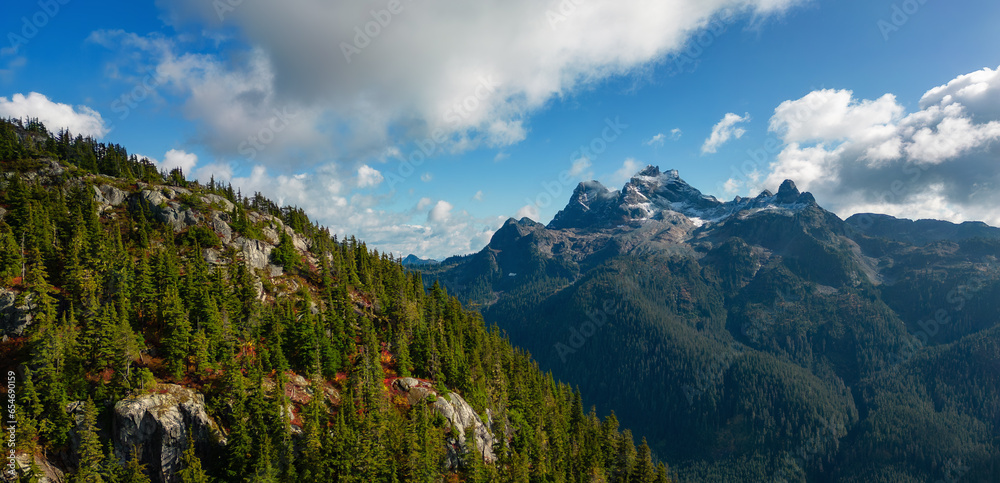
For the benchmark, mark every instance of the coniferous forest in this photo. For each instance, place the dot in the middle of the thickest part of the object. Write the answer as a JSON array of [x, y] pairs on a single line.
[[164, 330]]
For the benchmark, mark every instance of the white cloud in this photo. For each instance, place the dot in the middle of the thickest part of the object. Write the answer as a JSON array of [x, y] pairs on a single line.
[[56, 116], [176, 158], [629, 168], [859, 155], [528, 211], [500, 157], [978, 92], [478, 196], [660, 138], [369, 177], [440, 213], [834, 115], [657, 140], [474, 73], [426, 177], [580, 169], [724, 131]]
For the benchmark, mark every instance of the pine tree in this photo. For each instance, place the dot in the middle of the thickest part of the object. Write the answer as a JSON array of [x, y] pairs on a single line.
[[134, 472], [91, 453], [177, 333], [191, 471]]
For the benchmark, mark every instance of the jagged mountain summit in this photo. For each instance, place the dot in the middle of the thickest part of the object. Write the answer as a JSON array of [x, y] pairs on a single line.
[[655, 195]]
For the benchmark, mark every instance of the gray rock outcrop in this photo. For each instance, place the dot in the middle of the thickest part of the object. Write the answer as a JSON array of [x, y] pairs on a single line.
[[107, 196], [15, 315], [459, 415], [221, 228], [256, 253], [159, 425], [216, 200], [159, 203]]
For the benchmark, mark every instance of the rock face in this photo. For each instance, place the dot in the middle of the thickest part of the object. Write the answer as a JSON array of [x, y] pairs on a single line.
[[14, 317], [256, 253], [218, 223], [108, 196], [459, 415], [159, 203], [159, 425]]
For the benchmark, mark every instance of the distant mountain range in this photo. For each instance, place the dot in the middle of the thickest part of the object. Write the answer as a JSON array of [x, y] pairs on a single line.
[[759, 339]]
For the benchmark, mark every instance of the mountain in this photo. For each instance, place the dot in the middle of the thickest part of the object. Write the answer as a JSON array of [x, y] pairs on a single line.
[[412, 260], [157, 329], [758, 339]]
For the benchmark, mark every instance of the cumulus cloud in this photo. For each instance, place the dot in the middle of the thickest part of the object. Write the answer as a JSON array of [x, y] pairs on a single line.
[[234, 101], [724, 131], [56, 116], [860, 155], [657, 140], [176, 158], [580, 169], [471, 74], [478, 196], [528, 211], [660, 138], [628, 169], [440, 213], [426, 177], [978, 92], [369, 177], [431, 229]]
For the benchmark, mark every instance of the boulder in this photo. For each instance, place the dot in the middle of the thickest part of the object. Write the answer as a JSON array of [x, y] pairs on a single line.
[[300, 243], [47, 471], [220, 202], [256, 254], [459, 415], [270, 235], [221, 227], [213, 257], [15, 316], [159, 203], [158, 426], [107, 196]]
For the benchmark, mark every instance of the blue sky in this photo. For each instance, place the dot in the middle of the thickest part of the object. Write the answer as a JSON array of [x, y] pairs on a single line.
[[890, 106]]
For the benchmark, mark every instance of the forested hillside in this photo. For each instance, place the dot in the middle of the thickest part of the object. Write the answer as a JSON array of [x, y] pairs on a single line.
[[785, 343], [164, 330]]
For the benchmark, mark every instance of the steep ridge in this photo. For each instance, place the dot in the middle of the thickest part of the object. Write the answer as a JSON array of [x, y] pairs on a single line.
[[157, 329]]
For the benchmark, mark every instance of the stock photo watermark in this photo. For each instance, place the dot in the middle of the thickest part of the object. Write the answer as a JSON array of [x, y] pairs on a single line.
[[553, 190], [957, 297], [578, 336], [464, 108], [256, 143], [131, 99], [365, 34], [749, 172], [32, 25], [10, 417], [901, 14], [685, 60], [705, 379]]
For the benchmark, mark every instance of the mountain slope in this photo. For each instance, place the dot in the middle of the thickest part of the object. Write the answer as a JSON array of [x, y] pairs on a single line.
[[161, 330], [781, 340]]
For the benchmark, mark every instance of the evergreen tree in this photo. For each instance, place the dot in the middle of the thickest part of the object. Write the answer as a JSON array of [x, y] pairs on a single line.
[[191, 471], [91, 453], [177, 333]]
